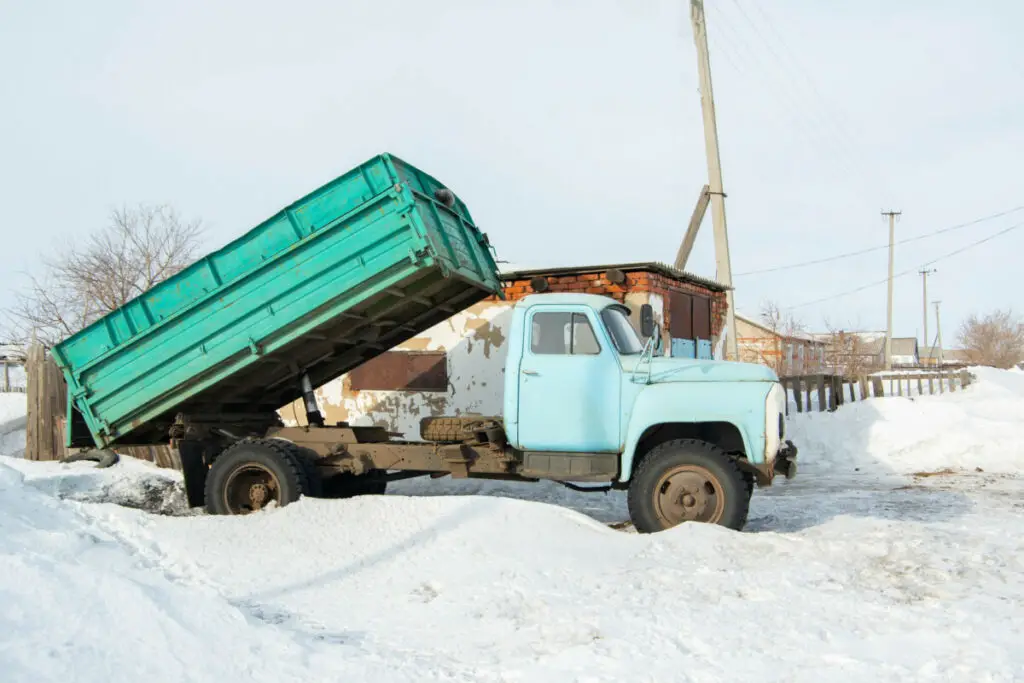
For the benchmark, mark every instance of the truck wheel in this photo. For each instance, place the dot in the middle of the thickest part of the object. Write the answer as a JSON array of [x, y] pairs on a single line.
[[686, 480], [253, 473], [350, 485]]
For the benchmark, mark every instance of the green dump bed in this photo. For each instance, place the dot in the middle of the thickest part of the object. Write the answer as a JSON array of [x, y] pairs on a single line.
[[340, 276]]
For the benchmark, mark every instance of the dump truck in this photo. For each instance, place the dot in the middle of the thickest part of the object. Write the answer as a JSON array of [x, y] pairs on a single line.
[[205, 359]]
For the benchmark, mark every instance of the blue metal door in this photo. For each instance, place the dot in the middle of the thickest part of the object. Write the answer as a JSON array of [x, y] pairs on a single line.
[[683, 348], [569, 384]]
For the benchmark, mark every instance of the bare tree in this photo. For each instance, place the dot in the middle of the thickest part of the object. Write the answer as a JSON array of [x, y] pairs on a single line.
[[996, 339], [849, 353], [139, 247]]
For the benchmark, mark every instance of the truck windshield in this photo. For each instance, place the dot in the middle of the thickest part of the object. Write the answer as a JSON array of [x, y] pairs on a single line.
[[625, 338]]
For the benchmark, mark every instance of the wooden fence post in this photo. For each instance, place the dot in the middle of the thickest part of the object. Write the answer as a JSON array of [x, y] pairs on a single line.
[[821, 393], [879, 387], [34, 380], [853, 393], [863, 382], [920, 386], [798, 394], [47, 395]]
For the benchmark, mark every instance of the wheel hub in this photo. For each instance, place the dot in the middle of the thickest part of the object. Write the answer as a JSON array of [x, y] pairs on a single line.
[[689, 493], [250, 488], [258, 495]]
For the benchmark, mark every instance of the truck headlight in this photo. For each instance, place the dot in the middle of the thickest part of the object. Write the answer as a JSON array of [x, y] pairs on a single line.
[[774, 421]]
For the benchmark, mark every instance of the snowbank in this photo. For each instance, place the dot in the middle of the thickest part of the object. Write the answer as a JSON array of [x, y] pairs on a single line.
[[13, 408], [130, 483], [965, 430], [396, 588]]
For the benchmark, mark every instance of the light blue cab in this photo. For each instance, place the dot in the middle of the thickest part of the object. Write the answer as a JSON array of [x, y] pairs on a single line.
[[582, 384]]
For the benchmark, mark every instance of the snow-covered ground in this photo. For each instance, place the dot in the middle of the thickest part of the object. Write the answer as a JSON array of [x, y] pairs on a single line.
[[890, 557], [12, 423]]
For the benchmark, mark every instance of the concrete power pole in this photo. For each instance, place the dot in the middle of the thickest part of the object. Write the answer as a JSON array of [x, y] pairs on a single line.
[[938, 325], [924, 283], [723, 265], [888, 328]]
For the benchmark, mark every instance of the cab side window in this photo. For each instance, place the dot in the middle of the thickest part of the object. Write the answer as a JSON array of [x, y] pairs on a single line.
[[563, 334]]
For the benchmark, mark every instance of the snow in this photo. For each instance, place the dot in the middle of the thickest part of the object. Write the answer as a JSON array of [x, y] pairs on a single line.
[[13, 408], [889, 558]]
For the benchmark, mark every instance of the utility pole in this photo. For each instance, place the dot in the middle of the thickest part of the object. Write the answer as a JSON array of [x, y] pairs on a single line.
[[723, 266], [938, 325], [924, 282], [888, 328]]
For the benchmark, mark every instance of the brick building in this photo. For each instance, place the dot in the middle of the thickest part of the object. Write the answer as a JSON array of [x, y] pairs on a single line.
[[689, 309], [458, 366], [787, 353]]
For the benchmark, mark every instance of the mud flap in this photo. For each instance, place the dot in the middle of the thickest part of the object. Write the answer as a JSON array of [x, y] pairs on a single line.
[[194, 469]]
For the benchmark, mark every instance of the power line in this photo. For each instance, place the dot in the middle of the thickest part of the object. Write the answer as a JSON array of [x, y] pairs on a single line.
[[849, 149], [860, 252], [804, 73], [800, 117], [907, 272]]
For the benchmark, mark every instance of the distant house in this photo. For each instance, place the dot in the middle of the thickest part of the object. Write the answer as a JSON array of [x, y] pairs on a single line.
[[904, 352], [853, 353], [787, 354], [951, 358]]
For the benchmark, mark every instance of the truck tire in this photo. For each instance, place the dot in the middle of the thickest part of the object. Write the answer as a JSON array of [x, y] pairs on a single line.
[[351, 485], [251, 474], [687, 480]]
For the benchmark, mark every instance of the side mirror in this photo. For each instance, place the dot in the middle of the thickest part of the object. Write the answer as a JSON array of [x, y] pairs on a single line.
[[647, 321]]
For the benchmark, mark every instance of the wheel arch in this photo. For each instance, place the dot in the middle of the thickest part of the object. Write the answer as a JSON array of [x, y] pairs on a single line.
[[727, 414]]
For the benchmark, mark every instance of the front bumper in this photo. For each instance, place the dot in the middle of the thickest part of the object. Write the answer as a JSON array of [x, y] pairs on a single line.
[[784, 464]]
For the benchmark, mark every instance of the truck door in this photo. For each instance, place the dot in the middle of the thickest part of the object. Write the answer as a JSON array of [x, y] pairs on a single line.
[[569, 384]]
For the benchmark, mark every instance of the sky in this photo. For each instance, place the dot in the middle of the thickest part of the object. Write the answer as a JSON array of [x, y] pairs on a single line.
[[572, 129]]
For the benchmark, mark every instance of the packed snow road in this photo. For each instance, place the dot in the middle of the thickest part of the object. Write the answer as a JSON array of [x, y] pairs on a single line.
[[890, 557]]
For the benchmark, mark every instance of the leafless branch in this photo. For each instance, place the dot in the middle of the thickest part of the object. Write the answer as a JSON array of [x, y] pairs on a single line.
[[996, 339], [139, 247]]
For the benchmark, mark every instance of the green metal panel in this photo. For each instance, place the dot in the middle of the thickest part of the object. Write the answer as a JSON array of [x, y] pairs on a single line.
[[332, 280]]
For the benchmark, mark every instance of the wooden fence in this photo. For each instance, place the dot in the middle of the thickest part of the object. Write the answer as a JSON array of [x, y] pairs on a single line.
[[6, 385], [824, 392], [47, 405]]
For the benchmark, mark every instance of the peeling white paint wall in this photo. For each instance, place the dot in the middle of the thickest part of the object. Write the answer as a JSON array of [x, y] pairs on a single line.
[[475, 344], [634, 300]]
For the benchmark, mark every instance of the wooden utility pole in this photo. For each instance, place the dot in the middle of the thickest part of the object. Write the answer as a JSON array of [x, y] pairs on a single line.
[[938, 325], [707, 101], [888, 328], [924, 309]]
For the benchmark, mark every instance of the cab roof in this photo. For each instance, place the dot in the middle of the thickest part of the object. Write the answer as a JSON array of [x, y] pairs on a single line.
[[595, 301]]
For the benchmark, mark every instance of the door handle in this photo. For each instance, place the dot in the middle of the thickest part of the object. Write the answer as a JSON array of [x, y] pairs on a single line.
[[529, 372]]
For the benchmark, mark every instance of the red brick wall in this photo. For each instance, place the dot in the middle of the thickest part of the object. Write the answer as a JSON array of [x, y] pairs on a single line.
[[659, 284], [636, 281]]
